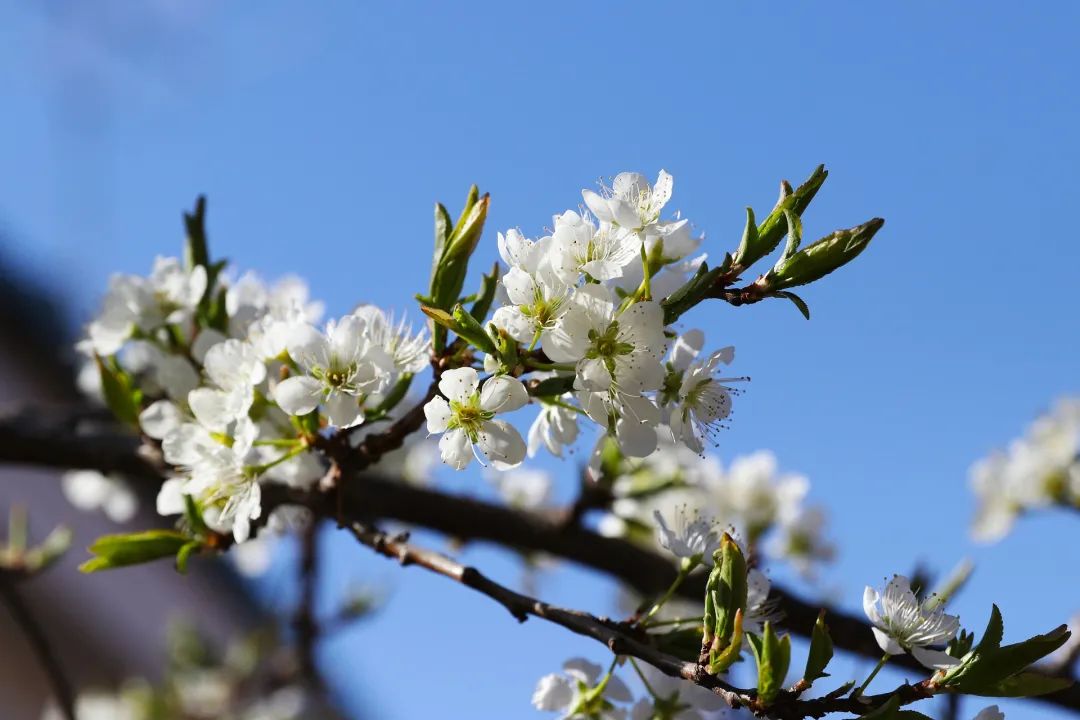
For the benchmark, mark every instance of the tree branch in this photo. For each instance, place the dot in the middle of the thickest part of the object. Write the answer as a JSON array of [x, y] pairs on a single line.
[[48, 441], [45, 652]]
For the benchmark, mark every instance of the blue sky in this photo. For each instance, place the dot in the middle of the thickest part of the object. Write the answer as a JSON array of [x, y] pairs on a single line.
[[323, 133]]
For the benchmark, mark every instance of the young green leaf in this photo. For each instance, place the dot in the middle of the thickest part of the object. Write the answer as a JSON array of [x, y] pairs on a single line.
[[821, 651], [115, 551], [196, 251], [121, 395]]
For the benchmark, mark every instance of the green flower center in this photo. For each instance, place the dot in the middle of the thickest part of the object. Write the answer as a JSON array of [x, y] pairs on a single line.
[[469, 416]]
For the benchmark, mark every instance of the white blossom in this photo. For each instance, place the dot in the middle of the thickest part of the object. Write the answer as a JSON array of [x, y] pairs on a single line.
[[631, 202], [759, 608], [555, 427], [409, 352], [465, 416], [522, 488], [568, 693], [90, 490], [537, 296], [903, 624], [699, 401], [578, 246], [692, 537], [340, 368], [234, 369]]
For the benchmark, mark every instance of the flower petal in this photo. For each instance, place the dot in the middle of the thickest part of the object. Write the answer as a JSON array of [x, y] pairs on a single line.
[[298, 395], [459, 384], [437, 412], [343, 410], [501, 443], [455, 448], [935, 659], [502, 393]]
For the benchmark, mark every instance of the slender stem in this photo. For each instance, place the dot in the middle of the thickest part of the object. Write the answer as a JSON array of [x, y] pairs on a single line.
[[647, 295], [684, 572], [873, 674], [564, 405], [260, 469], [46, 654], [538, 365], [535, 339], [644, 680]]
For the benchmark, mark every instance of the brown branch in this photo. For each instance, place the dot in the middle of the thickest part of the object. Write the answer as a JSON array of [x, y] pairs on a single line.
[[46, 654], [365, 497], [307, 629], [623, 638]]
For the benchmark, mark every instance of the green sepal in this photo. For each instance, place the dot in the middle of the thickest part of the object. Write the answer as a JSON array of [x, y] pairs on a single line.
[[115, 551], [817, 260], [821, 651], [118, 388]]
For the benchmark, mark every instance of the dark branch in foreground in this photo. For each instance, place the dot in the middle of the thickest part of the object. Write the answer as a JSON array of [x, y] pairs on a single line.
[[37, 440], [35, 634]]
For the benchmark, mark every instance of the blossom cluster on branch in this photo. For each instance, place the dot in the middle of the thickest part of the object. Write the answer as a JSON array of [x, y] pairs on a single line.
[[579, 333]]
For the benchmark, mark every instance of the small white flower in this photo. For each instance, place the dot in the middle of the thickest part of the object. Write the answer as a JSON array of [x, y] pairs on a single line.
[[578, 246], [990, 713], [759, 608], [631, 202], [341, 367], [235, 368], [752, 495], [700, 401], [800, 539], [410, 353], [537, 295], [693, 537], [903, 624], [554, 428], [468, 422], [90, 490], [633, 420], [609, 348], [568, 693]]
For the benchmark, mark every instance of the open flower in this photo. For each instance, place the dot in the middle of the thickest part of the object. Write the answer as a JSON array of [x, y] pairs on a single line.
[[538, 295], [578, 246], [554, 428], [340, 368], [577, 694], [466, 417], [699, 400], [632, 203], [235, 368], [692, 538], [903, 624]]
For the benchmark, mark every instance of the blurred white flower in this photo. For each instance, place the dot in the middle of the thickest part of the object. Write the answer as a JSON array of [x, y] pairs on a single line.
[[569, 693], [91, 490]]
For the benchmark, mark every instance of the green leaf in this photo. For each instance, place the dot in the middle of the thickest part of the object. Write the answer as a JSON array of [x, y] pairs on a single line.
[[988, 666], [823, 257], [773, 228], [121, 395], [443, 225], [115, 551], [195, 246], [193, 515], [995, 630], [797, 301], [773, 658], [1024, 684], [821, 651], [749, 236], [693, 292], [794, 225], [552, 386], [488, 284], [452, 262]]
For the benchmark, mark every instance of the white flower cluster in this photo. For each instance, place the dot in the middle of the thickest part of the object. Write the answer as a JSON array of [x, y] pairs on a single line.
[[750, 495], [229, 398], [1038, 470], [581, 294]]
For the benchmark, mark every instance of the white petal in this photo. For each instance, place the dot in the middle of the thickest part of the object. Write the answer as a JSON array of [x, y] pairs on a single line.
[[686, 348], [552, 693], [437, 412], [307, 346], [501, 443], [455, 448], [211, 408], [459, 384], [936, 659], [206, 339], [661, 191], [170, 499], [869, 603], [636, 439], [887, 642], [597, 205], [616, 690], [592, 374], [343, 410], [347, 340], [520, 286], [160, 419], [583, 670], [502, 393], [85, 489], [298, 395]]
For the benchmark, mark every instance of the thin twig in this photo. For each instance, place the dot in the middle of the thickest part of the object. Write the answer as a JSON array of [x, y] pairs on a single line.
[[46, 654]]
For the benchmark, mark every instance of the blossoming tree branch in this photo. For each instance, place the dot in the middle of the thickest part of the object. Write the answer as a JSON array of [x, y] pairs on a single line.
[[251, 419]]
